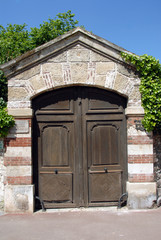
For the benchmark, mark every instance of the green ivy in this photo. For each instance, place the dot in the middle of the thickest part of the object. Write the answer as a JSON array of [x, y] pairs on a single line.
[[6, 120], [149, 70]]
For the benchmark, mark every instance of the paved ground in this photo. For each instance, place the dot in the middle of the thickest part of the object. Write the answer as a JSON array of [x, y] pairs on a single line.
[[82, 225]]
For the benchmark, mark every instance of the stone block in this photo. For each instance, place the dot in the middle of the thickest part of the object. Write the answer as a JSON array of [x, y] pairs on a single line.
[[133, 131], [137, 149], [16, 83], [22, 104], [123, 84], [79, 47], [18, 171], [78, 55], [100, 80], [52, 68], [134, 111], [19, 198], [135, 96], [17, 93], [110, 79], [20, 112], [79, 72], [29, 73], [58, 58], [96, 57], [141, 195], [159, 185], [21, 126], [159, 192], [18, 152], [2, 177], [140, 168], [104, 67], [58, 81], [37, 82], [126, 71]]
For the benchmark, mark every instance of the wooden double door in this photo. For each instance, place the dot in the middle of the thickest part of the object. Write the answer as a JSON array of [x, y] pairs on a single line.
[[79, 147]]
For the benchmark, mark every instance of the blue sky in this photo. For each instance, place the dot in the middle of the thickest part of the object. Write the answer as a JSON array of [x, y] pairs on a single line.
[[134, 25]]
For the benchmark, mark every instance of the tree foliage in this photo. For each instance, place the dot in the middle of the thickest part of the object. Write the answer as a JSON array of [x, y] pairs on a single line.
[[16, 39], [6, 121], [150, 72], [52, 29]]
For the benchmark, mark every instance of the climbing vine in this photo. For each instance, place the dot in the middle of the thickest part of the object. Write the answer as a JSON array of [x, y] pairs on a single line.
[[6, 120], [149, 70]]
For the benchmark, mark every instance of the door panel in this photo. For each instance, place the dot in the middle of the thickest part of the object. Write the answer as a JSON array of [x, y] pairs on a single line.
[[104, 187], [104, 144], [56, 188], [101, 101], [79, 147], [55, 145]]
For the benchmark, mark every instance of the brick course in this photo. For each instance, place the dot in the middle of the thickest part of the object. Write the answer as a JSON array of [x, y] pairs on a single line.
[[146, 158], [18, 180], [140, 139], [140, 178], [18, 142]]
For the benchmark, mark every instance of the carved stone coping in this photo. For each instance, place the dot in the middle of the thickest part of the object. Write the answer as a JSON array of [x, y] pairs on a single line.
[[21, 112], [134, 111]]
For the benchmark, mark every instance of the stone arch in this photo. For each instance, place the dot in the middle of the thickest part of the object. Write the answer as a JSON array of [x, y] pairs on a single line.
[[42, 91]]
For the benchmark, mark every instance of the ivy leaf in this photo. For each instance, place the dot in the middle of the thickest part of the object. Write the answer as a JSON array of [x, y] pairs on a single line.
[[150, 88]]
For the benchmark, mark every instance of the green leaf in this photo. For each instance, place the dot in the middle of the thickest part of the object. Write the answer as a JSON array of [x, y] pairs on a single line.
[[150, 73]]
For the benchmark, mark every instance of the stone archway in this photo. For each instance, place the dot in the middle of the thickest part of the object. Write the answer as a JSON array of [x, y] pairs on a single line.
[[83, 59]]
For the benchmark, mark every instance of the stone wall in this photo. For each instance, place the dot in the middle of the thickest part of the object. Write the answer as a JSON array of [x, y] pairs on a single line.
[[140, 165], [2, 177], [18, 165]]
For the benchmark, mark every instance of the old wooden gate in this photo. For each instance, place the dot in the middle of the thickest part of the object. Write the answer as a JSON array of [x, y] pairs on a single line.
[[79, 147]]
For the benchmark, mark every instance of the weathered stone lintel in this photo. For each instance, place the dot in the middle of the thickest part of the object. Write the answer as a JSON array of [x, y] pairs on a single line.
[[134, 111], [21, 113]]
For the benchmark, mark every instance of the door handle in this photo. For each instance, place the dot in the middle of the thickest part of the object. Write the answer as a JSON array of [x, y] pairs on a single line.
[[56, 171], [105, 170]]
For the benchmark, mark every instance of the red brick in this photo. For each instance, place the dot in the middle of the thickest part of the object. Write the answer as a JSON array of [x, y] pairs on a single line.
[[18, 142], [26, 180], [131, 120], [147, 158], [140, 140], [140, 178]]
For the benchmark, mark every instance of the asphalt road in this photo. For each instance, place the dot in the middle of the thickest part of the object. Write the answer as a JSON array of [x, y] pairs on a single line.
[[93, 224]]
